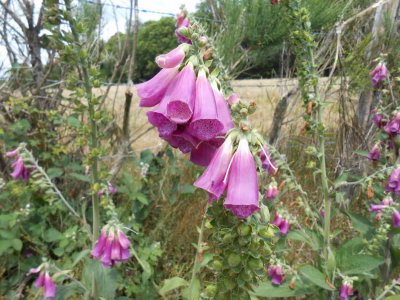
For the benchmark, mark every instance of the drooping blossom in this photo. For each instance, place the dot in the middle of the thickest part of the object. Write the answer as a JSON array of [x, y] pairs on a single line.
[[182, 22], [213, 179], [322, 213], [379, 119], [274, 2], [152, 91], [267, 161], [393, 184], [387, 201], [272, 191], [375, 152], [111, 190], [205, 123], [204, 152], [20, 171], [393, 127], [158, 118], [276, 274], [378, 74], [346, 290], [396, 218], [112, 246], [182, 139], [281, 223], [44, 280], [224, 114], [182, 95], [173, 58], [242, 195]]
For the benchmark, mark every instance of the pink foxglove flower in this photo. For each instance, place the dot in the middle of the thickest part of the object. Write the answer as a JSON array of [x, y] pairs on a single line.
[[387, 201], [182, 22], [276, 274], [20, 171], [224, 114], [281, 223], [274, 2], [346, 290], [379, 119], [205, 123], [393, 127], [242, 196], [151, 92], [183, 140], [233, 99], [181, 98], [111, 190], [396, 218], [203, 154], [378, 74], [267, 161], [112, 246], [272, 191], [213, 179], [375, 152], [393, 184], [173, 58], [44, 280]]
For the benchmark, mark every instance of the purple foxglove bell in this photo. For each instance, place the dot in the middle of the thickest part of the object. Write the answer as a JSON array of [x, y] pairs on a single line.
[[393, 184], [49, 287], [205, 123], [375, 152], [242, 196], [203, 154], [182, 21], [346, 290], [181, 98], [396, 218], [183, 140], [112, 246], [173, 58], [20, 171], [387, 201], [393, 127], [213, 178], [274, 2], [272, 191], [158, 118], [379, 119], [378, 74], [276, 274], [152, 91], [267, 161], [281, 223], [224, 114]]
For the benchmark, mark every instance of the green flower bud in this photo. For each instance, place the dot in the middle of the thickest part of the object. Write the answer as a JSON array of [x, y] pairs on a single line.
[[228, 238], [229, 283], [211, 289], [217, 265], [234, 259], [255, 264], [244, 229]]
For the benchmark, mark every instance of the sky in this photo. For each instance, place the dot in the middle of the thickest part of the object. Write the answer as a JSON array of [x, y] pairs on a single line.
[[115, 16]]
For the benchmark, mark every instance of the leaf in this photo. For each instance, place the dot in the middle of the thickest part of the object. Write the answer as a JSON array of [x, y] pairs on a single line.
[[193, 290], [342, 178], [298, 235], [394, 297], [54, 172], [66, 290], [4, 245], [52, 235], [359, 222], [80, 177], [356, 264], [315, 276], [172, 284], [80, 255], [17, 244], [362, 153], [106, 278], [267, 289], [188, 189], [74, 122]]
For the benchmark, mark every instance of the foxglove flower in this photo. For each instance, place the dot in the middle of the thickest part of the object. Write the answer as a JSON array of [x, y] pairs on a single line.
[[112, 246], [346, 290], [182, 22], [183, 140], [396, 218], [233, 99], [20, 171], [281, 223], [205, 123], [387, 201], [375, 152], [173, 58], [267, 161], [151, 92], [182, 95], [213, 178], [378, 74], [111, 190], [272, 191], [242, 196], [274, 2], [393, 184], [276, 274], [224, 115], [393, 127], [44, 280], [204, 152], [379, 119]]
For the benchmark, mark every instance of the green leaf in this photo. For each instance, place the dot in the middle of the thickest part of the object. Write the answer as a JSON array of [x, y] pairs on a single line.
[[394, 297], [188, 189], [267, 289], [52, 235], [359, 222], [106, 278], [80, 256], [298, 235], [193, 290], [80, 177], [74, 122], [315, 276], [362, 153], [172, 284], [4, 245], [356, 264], [142, 198], [17, 244], [342, 178], [55, 172]]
